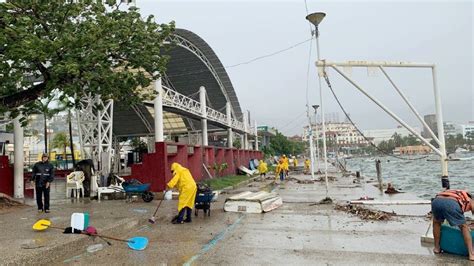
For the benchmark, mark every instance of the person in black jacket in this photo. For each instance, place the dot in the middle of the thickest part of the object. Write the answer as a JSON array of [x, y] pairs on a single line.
[[43, 175]]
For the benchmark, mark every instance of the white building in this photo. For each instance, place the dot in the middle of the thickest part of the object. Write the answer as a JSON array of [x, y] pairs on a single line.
[[465, 129], [379, 135], [344, 134]]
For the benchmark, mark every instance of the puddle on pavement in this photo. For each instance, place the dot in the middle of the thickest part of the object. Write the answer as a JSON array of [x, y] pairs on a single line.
[[140, 210]]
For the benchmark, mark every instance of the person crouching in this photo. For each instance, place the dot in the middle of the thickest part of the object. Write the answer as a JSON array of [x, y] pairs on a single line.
[[184, 182], [451, 205]]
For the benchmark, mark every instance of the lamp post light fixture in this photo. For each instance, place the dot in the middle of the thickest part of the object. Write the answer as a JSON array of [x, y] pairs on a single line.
[[315, 19]]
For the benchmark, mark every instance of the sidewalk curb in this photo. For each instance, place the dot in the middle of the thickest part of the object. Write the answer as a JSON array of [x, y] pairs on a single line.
[[75, 244]]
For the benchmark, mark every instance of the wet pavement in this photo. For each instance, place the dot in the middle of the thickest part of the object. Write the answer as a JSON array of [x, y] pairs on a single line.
[[298, 233]]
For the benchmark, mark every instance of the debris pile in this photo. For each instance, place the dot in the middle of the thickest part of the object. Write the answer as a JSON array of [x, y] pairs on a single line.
[[323, 179], [364, 213], [8, 202], [326, 200]]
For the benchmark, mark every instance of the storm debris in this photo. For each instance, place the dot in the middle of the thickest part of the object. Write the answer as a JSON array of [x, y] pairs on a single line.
[[323, 179], [364, 213]]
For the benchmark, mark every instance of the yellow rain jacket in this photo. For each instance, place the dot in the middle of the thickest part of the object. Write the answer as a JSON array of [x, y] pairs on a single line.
[[295, 162], [278, 169], [286, 163], [184, 182], [262, 167], [307, 164]]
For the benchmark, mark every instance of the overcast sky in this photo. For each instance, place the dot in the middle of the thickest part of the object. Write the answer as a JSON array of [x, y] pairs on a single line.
[[274, 88]]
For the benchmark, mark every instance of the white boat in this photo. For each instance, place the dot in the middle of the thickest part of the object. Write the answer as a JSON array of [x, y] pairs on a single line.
[[461, 150]]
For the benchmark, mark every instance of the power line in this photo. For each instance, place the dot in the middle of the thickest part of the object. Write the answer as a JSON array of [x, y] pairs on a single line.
[[246, 62], [293, 120]]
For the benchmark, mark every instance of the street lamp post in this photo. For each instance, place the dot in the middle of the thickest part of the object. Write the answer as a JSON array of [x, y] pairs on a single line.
[[315, 19], [315, 107]]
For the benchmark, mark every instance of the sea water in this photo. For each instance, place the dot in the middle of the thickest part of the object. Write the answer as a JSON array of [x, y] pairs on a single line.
[[421, 177]]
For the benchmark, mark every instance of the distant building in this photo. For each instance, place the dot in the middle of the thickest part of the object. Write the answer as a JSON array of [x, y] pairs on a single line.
[[379, 135], [449, 129], [432, 124], [342, 133], [418, 149], [465, 130], [266, 133], [295, 138]]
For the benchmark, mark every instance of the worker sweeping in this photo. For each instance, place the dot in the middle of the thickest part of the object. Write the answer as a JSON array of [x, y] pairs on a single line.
[[184, 182], [451, 205], [262, 169], [307, 164]]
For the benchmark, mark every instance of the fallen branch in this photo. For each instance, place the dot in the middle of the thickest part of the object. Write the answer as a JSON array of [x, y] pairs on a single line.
[[9, 201]]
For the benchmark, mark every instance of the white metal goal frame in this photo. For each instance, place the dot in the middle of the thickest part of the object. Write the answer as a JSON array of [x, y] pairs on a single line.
[[382, 65]]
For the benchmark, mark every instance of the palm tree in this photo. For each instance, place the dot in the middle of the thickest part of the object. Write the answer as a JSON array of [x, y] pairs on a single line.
[[61, 141], [46, 107]]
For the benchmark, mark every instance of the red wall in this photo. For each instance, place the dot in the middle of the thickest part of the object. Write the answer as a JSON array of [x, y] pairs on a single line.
[[156, 167], [6, 176]]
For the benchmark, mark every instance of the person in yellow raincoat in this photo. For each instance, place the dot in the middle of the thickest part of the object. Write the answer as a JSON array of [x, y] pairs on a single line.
[[279, 171], [307, 164], [286, 165], [262, 168], [184, 182], [295, 161]]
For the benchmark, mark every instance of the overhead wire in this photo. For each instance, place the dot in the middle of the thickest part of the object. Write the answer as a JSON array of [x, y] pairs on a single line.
[[248, 61]]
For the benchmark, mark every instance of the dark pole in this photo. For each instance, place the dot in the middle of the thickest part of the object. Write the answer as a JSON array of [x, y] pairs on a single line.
[[45, 134], [70, 140]]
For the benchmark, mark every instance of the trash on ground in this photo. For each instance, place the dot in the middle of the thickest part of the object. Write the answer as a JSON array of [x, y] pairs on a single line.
[[246, 170], [253, 202], [366, 198], [139, 210], [364, 213], [391, 189], [323, 179], [95, 248], [326, 200]]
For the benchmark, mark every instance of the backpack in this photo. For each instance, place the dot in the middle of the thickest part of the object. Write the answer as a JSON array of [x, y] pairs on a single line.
[[463, 198]]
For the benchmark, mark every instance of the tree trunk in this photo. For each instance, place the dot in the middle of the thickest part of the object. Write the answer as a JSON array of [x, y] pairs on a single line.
[[45, 134], [65, 157], [70, 140]]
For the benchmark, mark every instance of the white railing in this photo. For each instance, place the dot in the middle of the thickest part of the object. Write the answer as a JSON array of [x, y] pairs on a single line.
[[172, 98]]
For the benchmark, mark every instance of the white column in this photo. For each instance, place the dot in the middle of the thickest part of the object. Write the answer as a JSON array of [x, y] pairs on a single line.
[[230, 135], [158, 105], [202, 99], [256, 135], [18, 164], [439, 122], [311, 147], [322, 118]]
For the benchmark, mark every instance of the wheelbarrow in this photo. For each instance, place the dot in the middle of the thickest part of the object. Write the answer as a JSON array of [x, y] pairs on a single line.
[[138, 190]]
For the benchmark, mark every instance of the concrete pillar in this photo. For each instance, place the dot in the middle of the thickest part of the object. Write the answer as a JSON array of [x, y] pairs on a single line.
[[256, 135], [230, 134], [202, 100], [158, 105], [18, 164], [245, 144]]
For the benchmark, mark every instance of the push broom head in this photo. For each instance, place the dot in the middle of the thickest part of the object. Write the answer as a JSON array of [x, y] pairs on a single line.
[[152, 220]]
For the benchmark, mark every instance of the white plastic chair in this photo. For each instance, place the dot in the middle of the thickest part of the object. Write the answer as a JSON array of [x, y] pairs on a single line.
[[74, 181]]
